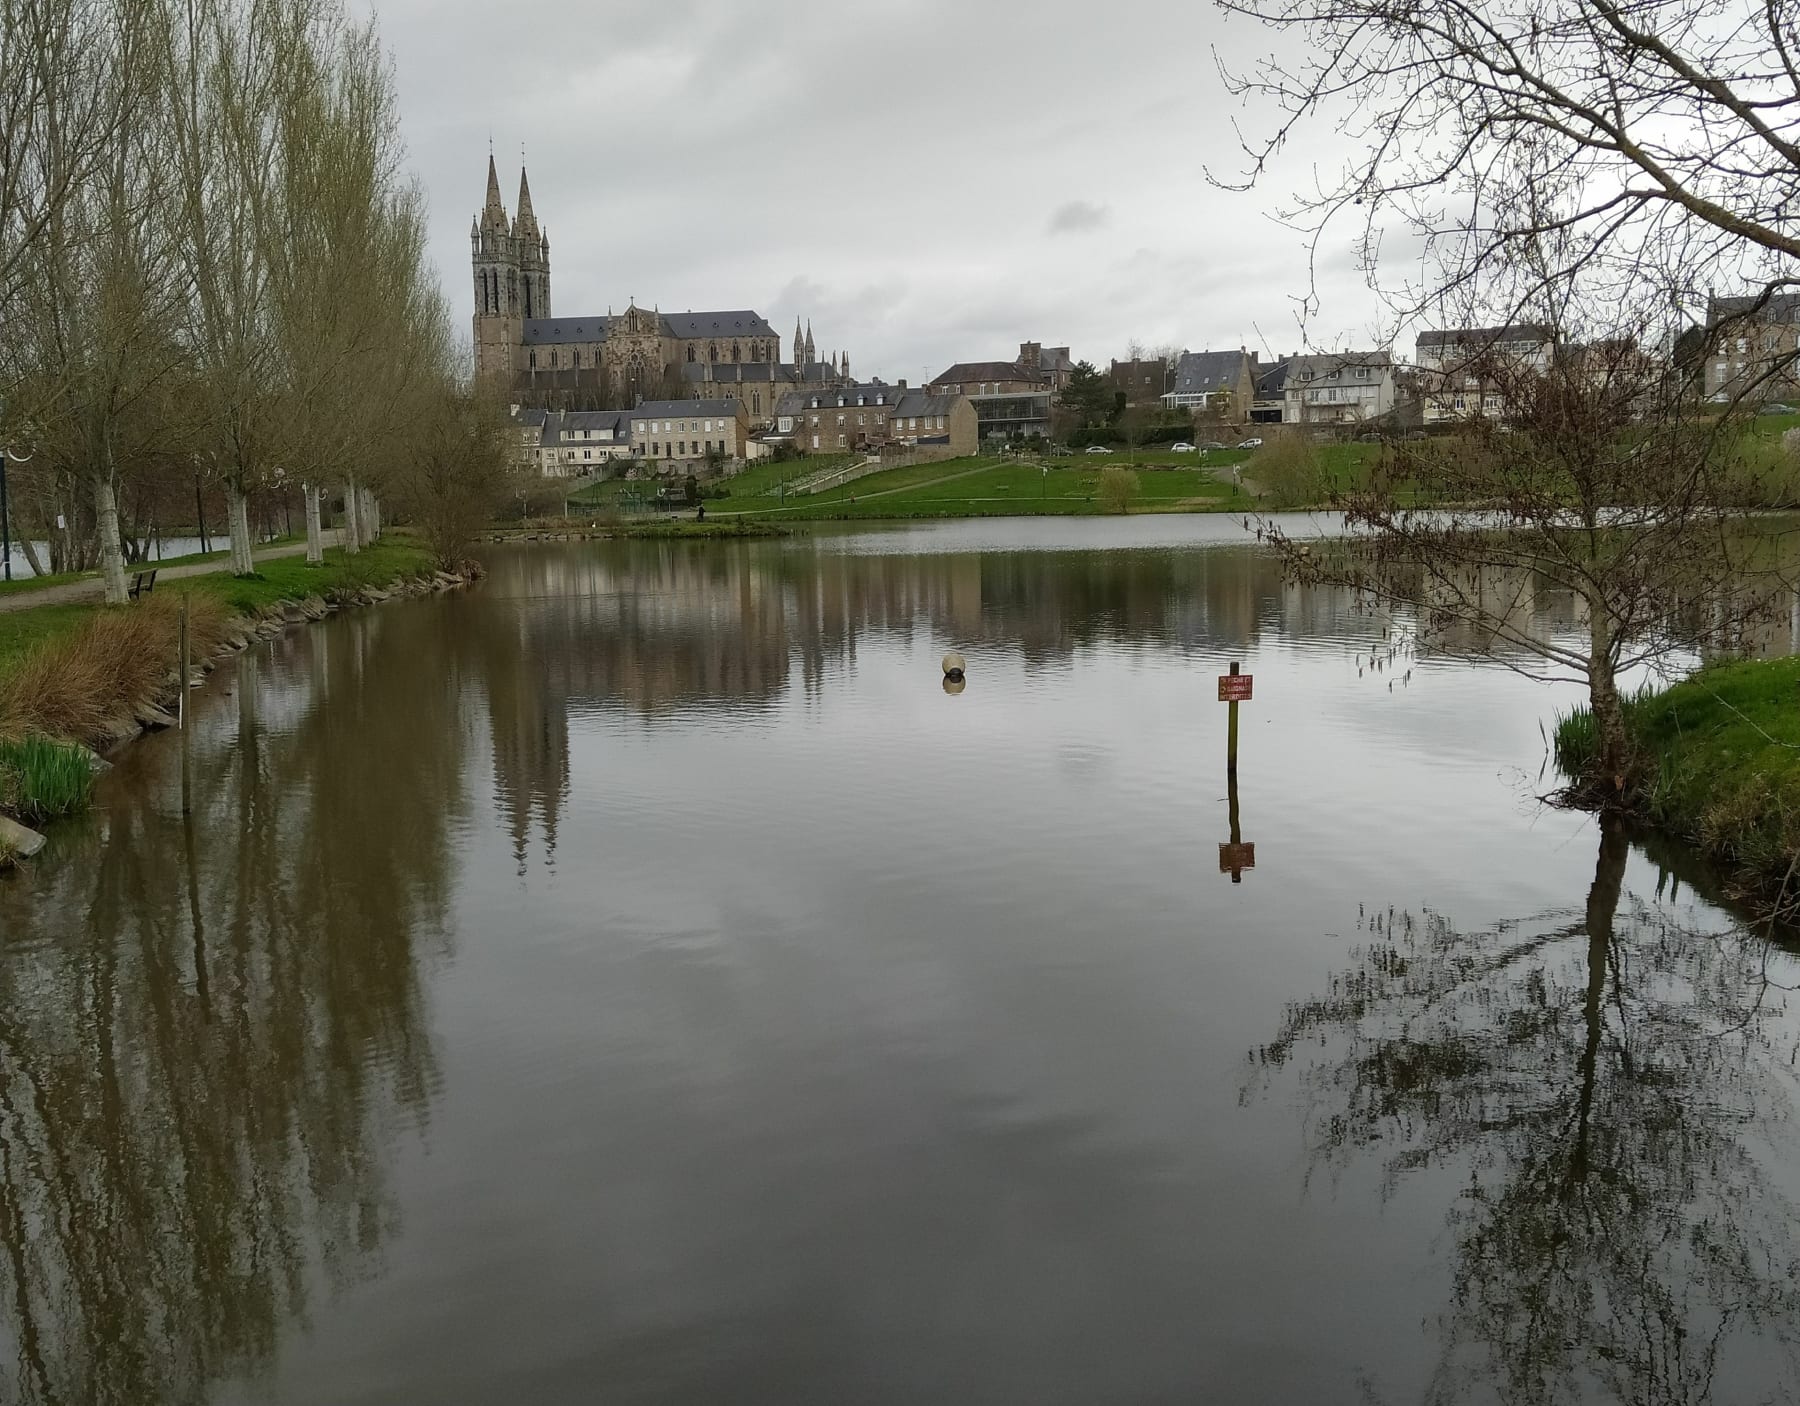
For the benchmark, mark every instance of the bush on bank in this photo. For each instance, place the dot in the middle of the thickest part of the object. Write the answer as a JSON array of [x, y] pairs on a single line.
[[1716, 762]]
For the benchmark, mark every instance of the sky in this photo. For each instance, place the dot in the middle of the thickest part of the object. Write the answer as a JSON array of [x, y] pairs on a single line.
[[928, 182]]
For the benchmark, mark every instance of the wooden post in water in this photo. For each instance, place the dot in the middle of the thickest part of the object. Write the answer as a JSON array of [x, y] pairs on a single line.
[[182, 722], [1234, 856], [1231, 749]]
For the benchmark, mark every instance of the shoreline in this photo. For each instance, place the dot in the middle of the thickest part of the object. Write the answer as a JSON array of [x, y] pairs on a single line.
[[229, 620]]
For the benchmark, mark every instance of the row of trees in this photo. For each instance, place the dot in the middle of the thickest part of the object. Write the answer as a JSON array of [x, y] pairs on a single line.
[[212, 272]]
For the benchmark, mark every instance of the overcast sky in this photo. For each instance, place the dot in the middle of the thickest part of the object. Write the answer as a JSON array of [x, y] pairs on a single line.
[[929, 182]]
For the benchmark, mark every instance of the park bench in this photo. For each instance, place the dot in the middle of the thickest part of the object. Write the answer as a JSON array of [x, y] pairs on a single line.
[[142, 584]]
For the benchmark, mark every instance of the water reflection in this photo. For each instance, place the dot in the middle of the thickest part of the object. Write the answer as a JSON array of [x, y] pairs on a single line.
[[210, 1029], [1603, 1082]]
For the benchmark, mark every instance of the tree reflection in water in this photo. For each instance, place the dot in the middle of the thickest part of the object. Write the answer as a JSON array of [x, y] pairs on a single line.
[[1604, 1081], [210, 1031]]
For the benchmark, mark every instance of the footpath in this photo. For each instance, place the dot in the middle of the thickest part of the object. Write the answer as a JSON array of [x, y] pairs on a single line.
[[89, 588]]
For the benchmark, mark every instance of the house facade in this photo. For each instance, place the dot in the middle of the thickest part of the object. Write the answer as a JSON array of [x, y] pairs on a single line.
[[1338, 388], [1752, 347], [858, 418], [683, 434], [569, 443], [1453, 368]]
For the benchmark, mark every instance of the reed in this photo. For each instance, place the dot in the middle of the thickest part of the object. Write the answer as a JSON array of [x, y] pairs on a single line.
[[41, 780]]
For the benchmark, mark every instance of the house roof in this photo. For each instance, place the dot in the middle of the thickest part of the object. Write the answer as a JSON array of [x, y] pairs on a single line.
[[1486, 336], [593, 419], [1198, 373], [1336, 368], [966, 371], [1271, 380], [1779, 307], [924, 403], [655, 409]]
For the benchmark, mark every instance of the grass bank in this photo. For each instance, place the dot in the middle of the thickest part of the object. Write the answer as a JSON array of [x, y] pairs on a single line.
[[84, 674], [1717, 764], [681, 527]]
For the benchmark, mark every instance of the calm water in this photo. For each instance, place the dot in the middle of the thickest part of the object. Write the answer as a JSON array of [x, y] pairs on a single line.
[[639, 980]]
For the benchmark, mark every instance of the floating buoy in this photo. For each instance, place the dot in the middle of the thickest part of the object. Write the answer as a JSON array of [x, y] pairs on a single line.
[[953, 666]]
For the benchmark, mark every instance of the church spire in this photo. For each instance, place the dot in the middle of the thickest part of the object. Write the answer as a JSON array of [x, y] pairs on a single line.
[[811, 356], [528, 227], [799, 352], [493, 209]]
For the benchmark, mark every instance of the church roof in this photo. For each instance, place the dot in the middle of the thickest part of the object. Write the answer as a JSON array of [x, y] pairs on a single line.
[[560, 331], [717, 324]]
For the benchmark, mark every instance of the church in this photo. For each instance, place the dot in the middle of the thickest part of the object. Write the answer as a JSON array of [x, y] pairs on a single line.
[[617, 360]]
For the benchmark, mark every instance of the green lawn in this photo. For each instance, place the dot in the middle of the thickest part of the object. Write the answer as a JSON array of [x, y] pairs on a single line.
[[285, 579], [37, 583]]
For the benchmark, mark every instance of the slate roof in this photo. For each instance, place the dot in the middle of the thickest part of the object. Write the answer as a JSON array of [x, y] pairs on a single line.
[[1271, 380], [1781, 307], [1336, 369], [1202, 372], [1486, 336], [559, 331], [659, 409], [924, 403], [965, 371]]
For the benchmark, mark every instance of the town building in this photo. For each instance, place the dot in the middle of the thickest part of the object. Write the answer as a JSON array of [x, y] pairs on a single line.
[[1338, 388], [1454, 369], [682, 434], [1269, 400], [1142, 380], [1218, 385], [569, 443], [1010, 397], [1753, 348], [858, 418]]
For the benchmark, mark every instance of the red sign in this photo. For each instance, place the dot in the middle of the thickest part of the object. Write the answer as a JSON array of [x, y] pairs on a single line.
[[1234, 688], [1233, 858]]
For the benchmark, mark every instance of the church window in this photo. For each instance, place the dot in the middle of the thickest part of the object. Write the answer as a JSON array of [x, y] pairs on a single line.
[[690, 353], [533, 360], [735, 356], [712, 352]]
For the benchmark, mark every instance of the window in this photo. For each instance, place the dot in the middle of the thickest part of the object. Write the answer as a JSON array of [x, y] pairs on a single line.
[[533, 360], [840, 426], [585, 454], [815, 438], [708, 427], [859, 420], [1362, 373], [840, 441]]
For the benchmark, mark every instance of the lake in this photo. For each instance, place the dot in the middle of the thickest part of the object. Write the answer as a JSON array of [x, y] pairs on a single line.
[[640, 979]]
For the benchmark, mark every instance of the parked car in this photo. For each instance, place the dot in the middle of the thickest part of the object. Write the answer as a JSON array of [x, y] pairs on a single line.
[[1210, 444], [1251, 443], [1182, 448], [1098, 449], [1778, 409]]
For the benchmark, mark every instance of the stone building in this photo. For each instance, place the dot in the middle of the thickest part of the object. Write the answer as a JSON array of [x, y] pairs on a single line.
[[1454, 369], [853, 418], [1218, 385], [673, 434], [1338, 388], [1753, 348], [627, 356]]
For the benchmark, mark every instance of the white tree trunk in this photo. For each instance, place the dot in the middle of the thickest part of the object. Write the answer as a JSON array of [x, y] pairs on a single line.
[[237, 505], [352, 519], [371, 518], [315, 532], [106, 526]]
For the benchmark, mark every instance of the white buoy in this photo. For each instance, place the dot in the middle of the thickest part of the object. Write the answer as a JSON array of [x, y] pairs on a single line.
[[953, 665]]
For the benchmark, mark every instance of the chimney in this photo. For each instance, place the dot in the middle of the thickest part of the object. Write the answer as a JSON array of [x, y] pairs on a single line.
[[903, 383], [1031, 355]]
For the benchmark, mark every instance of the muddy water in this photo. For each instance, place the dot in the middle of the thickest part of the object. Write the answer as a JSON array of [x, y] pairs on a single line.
[[638, 979]]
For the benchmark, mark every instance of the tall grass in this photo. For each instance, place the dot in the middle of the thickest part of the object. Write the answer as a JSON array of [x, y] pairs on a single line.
[[73, 685], [42, 780], [1290, 471]]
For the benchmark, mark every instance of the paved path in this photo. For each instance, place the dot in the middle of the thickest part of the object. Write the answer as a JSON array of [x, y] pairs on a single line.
[[89, 588]]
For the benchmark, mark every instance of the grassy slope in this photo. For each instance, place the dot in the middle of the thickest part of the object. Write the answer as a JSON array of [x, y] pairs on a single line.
[[37, 583], [1720, 762]]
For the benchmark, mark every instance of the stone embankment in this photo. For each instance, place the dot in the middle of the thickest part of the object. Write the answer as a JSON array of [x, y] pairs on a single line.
[[156, 710]]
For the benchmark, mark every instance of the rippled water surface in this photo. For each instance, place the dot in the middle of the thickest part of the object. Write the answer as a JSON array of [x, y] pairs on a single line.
[[638, 979]]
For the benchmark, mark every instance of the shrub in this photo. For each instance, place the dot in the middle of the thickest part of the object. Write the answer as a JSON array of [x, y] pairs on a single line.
[[1116, 490], [1289, 471], [41, 780], [74, 685]]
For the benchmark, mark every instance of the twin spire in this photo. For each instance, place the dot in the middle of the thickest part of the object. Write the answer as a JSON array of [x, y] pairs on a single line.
[[493, 213]]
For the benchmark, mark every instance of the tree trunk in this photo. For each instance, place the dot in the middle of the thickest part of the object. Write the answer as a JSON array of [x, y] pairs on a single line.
[[237, 511], [29, 549], [352, 516], [106, 526], [1611, 748], [315, 532], [371, 518]]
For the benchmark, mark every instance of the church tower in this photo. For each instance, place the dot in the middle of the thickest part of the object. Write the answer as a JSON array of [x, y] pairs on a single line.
[[533, 245], [810, 356], [499, 328]]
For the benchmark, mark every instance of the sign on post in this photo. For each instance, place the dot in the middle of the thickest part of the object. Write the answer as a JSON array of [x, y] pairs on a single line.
[[1235, 858], [1234, 688]]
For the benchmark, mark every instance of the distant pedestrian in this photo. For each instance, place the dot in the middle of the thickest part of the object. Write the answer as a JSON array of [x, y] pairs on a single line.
[[700, 513]]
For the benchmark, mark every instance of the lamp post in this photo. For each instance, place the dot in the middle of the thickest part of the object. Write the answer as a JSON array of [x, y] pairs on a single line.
[[5, 511]]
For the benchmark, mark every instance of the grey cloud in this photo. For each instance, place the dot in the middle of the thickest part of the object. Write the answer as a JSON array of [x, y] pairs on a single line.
[[1078, 215]]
